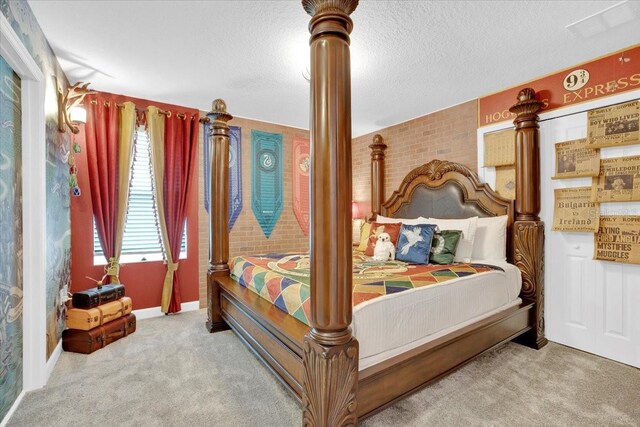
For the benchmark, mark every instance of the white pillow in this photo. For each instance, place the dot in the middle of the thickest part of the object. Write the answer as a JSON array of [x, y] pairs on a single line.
[[468, 227], [386, 220], [491, 238]]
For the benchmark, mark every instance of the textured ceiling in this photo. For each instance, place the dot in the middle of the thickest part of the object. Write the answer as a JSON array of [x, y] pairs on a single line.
[[409, 58]]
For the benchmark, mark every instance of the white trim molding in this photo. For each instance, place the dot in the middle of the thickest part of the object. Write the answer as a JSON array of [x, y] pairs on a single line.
[[148, 313], [34, 205], [13, 408]]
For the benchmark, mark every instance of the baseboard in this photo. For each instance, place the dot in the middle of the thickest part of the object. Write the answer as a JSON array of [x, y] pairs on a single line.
[[53, 359], [15, 405], [147, 313]]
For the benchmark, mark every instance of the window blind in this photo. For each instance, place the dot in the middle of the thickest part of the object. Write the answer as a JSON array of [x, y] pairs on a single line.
[[141, 238]]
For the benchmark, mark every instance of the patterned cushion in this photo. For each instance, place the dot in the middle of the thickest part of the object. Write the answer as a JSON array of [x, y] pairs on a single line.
[[376, 228], [444, 245], [364, 236], [414, 243]]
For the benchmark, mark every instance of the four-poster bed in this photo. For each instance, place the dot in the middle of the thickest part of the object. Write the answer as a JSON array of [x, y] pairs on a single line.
[[319, 363]]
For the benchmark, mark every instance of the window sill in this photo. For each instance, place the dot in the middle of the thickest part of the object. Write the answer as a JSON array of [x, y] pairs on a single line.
[[135, 258]]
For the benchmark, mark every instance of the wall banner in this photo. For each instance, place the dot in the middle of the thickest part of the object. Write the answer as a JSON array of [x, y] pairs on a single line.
[[266, 179], [574, 159], [573, 210], [619, 180], [500, 148], [610, 75], [235, 174], [301, 170], [614, 126], [235, 171], [618, 239]]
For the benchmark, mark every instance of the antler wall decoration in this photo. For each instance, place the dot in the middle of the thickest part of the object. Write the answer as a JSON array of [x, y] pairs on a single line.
[[69, 110]]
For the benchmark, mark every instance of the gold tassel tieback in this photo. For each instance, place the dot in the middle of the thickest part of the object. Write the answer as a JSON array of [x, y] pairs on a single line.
[[113, 270]]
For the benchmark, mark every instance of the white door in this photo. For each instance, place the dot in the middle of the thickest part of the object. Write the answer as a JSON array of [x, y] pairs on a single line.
[[590, 305]]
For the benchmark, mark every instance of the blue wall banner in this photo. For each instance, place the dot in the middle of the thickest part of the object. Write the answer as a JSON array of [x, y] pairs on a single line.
[[235, 174], [235, 171], [266, 179]]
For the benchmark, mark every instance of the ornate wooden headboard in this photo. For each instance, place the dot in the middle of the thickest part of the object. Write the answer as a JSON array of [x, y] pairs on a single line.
[[442, 189]]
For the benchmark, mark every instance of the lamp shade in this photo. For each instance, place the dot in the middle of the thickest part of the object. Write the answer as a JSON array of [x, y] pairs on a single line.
[[355, 210], [77, 114]]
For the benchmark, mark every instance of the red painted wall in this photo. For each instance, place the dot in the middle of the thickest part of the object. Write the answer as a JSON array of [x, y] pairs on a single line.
[[143, 280]]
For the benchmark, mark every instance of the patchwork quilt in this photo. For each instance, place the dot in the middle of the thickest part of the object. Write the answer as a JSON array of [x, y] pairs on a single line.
[[283, 278]]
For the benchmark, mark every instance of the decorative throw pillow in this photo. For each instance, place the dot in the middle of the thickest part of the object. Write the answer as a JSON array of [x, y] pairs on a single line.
[[386, 220], [364, 236], [414, 243], [491, 239], [468, 227], [444, 245], [376, 228]]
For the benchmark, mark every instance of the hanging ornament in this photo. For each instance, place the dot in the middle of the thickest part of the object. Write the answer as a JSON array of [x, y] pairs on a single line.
[[73, 170]]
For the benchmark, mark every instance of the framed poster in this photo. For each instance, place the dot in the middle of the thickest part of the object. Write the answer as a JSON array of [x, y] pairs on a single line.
[[619, 180], [506, 181], [618, 239], [574, 159], [573, 210], [614, 126], [500, 148]]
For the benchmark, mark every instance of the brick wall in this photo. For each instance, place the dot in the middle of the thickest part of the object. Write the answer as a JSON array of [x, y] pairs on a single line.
[[448, 134], [247, 236]]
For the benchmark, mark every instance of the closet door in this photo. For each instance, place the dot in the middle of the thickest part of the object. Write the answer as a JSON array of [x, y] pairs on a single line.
[[590, 305]]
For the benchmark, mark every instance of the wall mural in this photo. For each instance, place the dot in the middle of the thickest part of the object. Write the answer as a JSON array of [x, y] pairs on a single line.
[[10, 238], [58, 226]]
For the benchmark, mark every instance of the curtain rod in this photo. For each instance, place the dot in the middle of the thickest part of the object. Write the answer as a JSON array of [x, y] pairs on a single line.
[[141, 110]]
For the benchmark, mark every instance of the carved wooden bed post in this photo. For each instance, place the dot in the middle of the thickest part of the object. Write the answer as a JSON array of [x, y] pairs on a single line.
[[330, 352], [378, 148], [528, 238], [219, 210]]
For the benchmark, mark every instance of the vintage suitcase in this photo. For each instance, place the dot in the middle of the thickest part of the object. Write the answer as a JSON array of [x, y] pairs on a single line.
[[88, 318], [96, 296], [89, 341]]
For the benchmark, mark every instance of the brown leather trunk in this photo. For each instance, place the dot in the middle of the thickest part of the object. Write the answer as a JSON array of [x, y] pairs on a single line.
[[89, 341], [86, 319], [97, 296]]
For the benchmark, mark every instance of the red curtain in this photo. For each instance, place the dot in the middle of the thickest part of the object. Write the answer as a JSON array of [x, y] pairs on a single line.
[[180, 147], [101, 136]]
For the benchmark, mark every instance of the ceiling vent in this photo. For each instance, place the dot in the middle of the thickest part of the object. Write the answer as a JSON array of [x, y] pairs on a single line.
[[605, 20]]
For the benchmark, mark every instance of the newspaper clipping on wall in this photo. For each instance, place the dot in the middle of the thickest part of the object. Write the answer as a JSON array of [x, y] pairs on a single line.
[[619, 180], [506, 181], [614, 126], [574, 159], [573, 210], [618, 239], [500, 148]]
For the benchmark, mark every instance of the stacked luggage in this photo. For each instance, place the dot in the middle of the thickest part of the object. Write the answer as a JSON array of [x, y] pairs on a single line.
[[99, 317]]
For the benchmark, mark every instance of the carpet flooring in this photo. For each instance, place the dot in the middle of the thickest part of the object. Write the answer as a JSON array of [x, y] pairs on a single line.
[[171, 372]]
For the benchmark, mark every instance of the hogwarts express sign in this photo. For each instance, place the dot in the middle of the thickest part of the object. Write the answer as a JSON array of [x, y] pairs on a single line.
[[612, 74]]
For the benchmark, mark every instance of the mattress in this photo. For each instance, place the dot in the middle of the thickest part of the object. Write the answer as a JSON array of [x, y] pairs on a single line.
[[397, 306], [389, 326]]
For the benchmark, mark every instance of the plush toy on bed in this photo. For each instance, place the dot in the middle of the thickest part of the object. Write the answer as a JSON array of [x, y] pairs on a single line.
[[384, 249]]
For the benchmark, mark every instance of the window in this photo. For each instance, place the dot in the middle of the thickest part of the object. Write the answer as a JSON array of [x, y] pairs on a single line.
[[141, 240]]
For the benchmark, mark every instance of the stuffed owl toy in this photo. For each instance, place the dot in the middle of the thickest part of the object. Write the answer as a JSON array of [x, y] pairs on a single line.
[[384, 249]]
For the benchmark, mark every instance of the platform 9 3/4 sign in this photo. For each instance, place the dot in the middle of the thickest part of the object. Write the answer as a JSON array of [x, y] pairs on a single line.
[[576, 79]]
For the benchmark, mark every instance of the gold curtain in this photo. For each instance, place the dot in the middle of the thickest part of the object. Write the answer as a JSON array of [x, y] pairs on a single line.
[[155, 125], [126, 128]]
